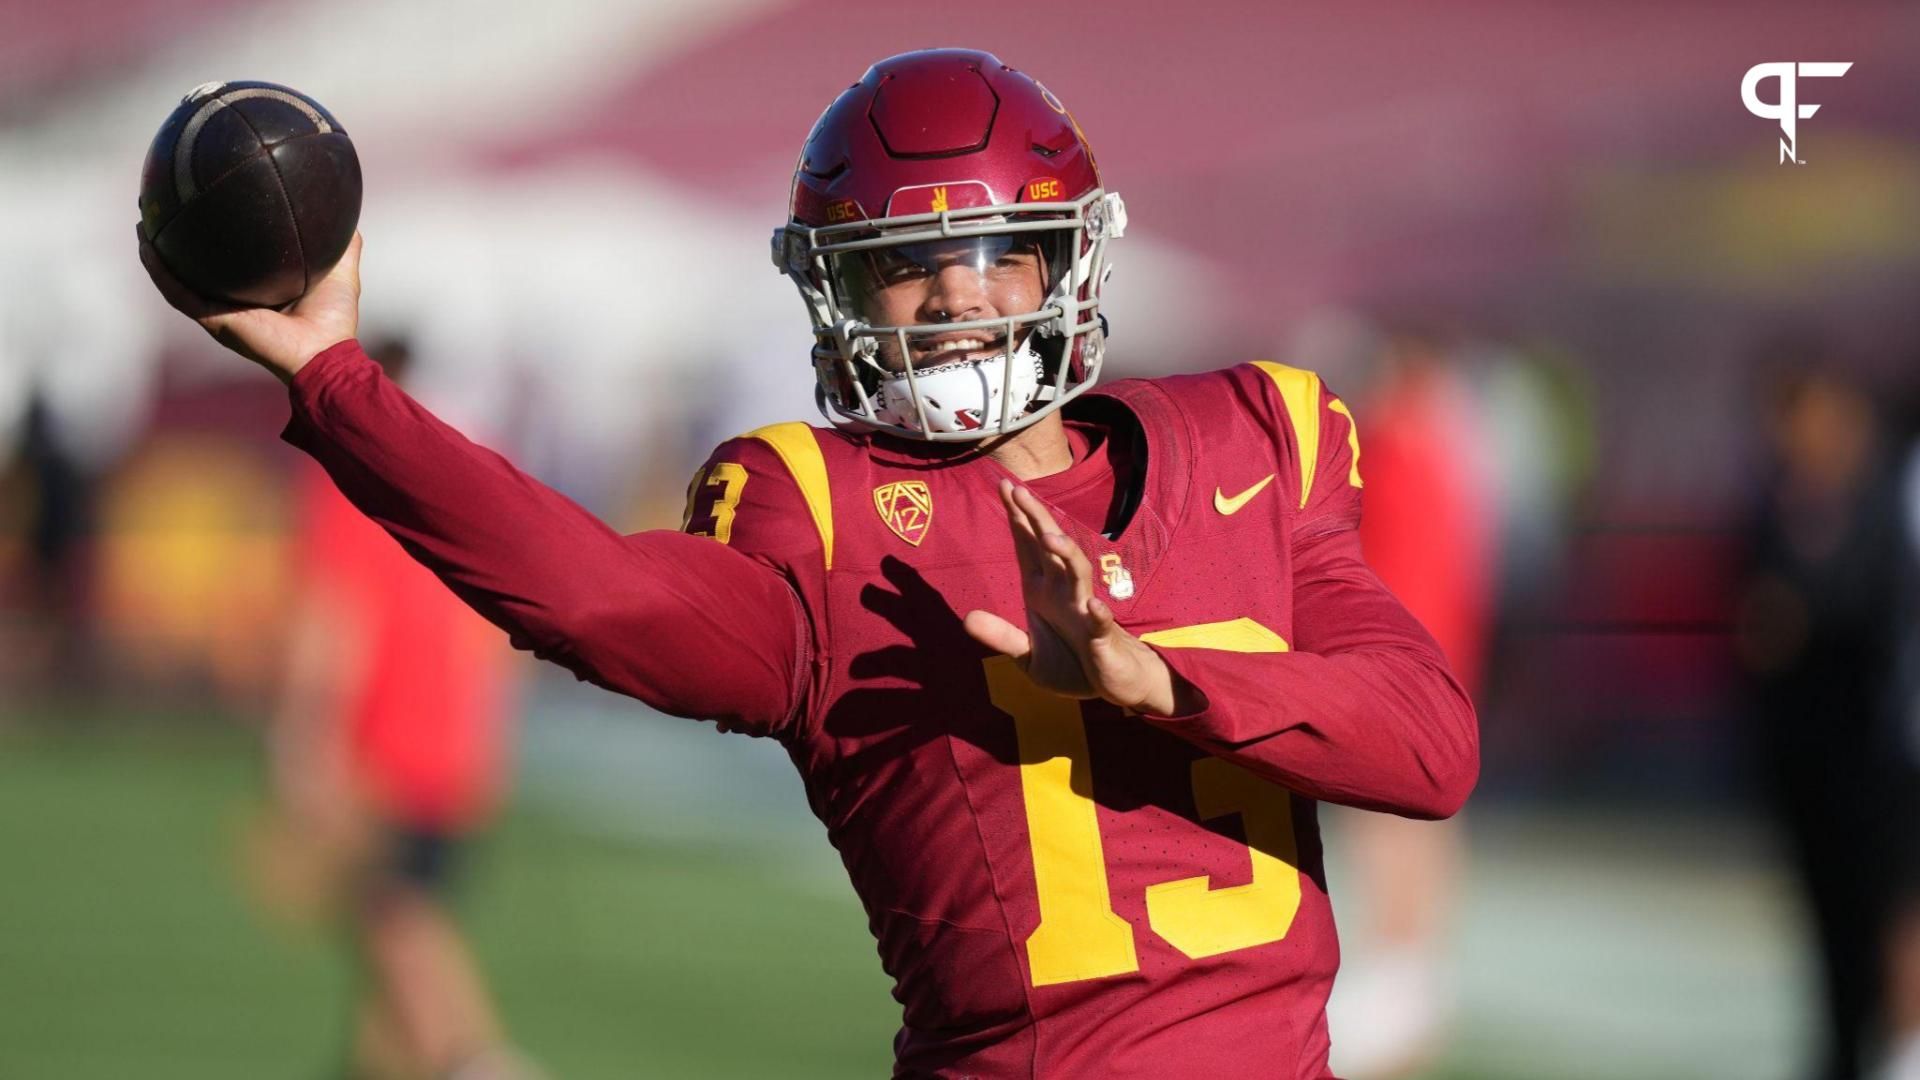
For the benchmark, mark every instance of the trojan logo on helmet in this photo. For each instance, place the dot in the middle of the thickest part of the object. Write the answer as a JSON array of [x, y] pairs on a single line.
[[976, 165]]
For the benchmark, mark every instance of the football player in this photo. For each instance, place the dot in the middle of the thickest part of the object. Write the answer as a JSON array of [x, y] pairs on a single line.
[[1065, 671]]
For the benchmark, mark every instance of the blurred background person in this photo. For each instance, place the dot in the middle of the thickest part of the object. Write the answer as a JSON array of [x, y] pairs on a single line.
[[1818, 630], [1430, 532], [1902, 966], [60, 531], [386, 756]]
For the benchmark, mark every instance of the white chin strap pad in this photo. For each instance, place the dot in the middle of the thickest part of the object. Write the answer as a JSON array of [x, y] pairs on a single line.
[[963, 396]]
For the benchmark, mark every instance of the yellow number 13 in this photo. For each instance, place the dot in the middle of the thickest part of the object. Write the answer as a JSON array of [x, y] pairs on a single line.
[[726, 481], [1080, 936]]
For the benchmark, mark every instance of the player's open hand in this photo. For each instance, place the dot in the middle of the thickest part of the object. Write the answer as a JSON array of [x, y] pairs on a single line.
[[280, 341], [1072, 644]]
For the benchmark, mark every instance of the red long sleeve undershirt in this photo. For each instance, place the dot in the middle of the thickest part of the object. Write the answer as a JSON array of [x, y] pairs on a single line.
[[649, 615]]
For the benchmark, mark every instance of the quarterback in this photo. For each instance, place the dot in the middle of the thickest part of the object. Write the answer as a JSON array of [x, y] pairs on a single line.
[[1065, 670]]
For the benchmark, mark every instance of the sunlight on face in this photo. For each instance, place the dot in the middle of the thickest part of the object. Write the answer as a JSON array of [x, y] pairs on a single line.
[[946, 281], [954, 280]]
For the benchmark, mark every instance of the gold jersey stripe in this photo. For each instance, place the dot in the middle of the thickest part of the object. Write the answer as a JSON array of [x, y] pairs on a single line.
[[1353, 441], [795, 444], [1300, 390], [1241, 635]]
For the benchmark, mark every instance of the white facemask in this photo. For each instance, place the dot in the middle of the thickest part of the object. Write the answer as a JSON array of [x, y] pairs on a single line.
[[963, 396]]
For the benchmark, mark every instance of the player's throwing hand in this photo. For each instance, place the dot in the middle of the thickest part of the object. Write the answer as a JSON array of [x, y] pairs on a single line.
[[1072, 644], [280, 341]]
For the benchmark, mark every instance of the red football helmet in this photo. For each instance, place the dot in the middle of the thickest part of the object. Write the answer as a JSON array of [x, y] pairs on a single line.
[[933, 159]]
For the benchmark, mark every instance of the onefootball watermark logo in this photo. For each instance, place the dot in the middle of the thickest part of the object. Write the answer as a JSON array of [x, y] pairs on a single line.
[[1788, 109]]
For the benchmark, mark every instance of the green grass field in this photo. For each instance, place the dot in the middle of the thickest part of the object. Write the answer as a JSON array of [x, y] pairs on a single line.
[[128, 947], [660, 904]]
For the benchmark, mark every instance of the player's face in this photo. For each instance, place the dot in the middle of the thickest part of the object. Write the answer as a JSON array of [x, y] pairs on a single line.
[[948, 281]]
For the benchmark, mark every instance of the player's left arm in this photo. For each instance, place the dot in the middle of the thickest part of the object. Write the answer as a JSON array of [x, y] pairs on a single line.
[[1362, 710]]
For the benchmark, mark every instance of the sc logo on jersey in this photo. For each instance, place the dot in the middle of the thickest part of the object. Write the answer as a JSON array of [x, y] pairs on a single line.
[[1788, 110]]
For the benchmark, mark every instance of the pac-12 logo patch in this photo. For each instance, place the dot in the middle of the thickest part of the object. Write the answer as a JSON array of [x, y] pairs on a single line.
[[907, 508]]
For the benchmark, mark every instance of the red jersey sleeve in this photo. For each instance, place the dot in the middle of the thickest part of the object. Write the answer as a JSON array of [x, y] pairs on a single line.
[[1362, 710], [765, 495], [690, 627], [752, 495]]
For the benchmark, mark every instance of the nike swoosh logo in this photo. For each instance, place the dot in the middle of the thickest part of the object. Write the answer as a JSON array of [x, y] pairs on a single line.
[[1231, 506]]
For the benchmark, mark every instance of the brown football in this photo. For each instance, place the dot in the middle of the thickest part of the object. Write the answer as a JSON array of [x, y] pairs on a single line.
[[250, 193]]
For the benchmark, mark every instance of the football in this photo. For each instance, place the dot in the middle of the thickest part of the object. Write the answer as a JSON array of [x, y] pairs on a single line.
[[250, 193]]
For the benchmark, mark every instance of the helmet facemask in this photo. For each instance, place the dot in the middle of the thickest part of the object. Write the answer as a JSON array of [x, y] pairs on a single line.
[[920, 380]]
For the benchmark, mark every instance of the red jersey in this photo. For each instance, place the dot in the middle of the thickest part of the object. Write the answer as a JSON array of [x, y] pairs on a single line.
[[424, 710], [1428, 530], [1057, 888]]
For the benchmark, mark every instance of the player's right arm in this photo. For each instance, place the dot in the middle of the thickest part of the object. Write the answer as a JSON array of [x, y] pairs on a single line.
[[688, 626], [691, 627]]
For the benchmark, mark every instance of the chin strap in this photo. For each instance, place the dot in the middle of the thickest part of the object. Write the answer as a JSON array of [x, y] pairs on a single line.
[[965, 395]]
